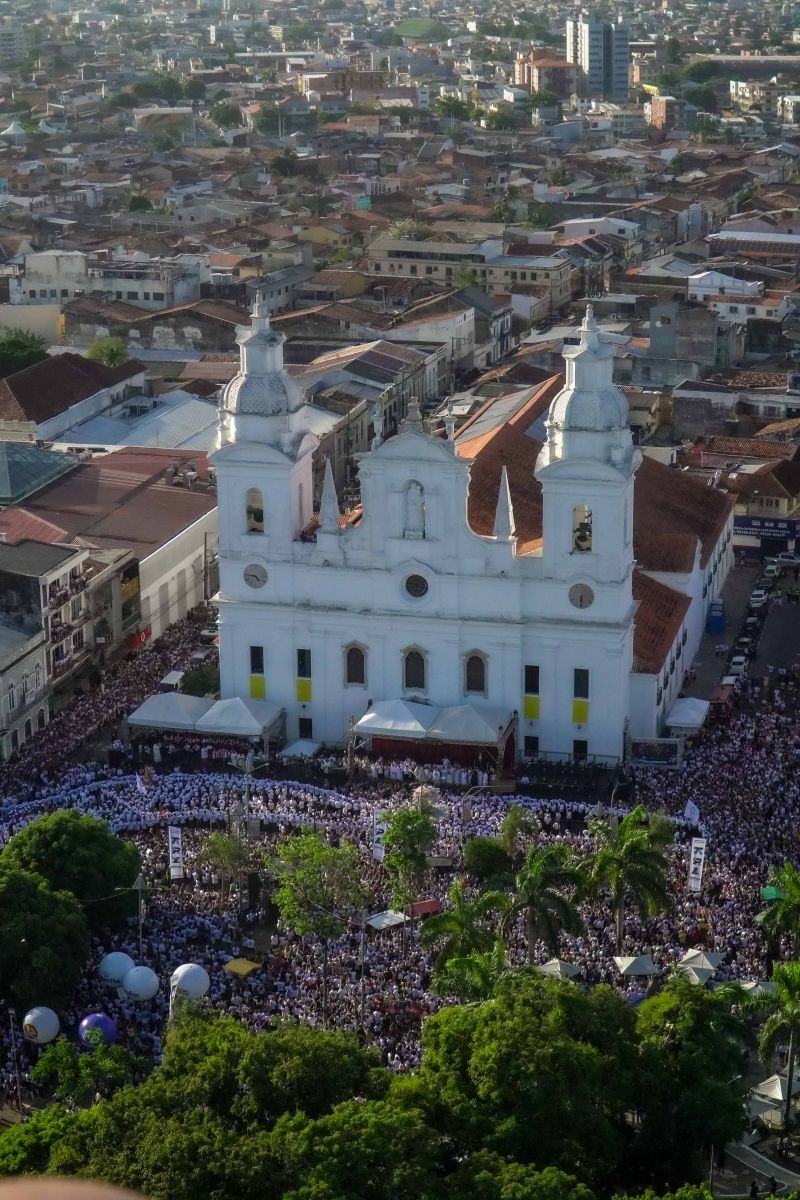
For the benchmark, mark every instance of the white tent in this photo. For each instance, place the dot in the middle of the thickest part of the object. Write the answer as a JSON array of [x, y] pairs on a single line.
[[698, 975], [688, 713], [302, 748], [468, 725], [641, 964], [387, 920], [170, 710], [709, 960], [239, 718], [775, 1087], [559, 968], [756, 987], [397, 719]]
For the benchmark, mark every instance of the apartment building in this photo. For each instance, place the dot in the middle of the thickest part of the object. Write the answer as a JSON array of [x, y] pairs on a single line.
[[537, 74], [601, 50]]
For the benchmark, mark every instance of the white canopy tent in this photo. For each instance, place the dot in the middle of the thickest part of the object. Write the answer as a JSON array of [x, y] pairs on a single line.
[[387, 920], [698, 975], [170, 710], [559, 968], [709, 960], [397, 719], [688, 714], [468, 725], [756, 987], [641, 964], [302, 748], [775, 1088], [239, 718]]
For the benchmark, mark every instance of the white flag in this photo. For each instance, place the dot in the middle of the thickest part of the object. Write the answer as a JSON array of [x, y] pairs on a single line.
[[378, 830], [140, 785], [692, 812], [697, 857], [175, 845]]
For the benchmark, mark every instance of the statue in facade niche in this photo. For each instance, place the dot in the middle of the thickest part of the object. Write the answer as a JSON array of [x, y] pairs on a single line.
[[415, 511]]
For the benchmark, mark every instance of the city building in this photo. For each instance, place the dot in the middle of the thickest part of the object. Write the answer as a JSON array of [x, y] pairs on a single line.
[[537, 74], [601, 51], [490, 582]]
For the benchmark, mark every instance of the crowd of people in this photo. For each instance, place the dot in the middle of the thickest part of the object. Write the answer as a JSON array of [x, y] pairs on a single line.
[[741, 776]]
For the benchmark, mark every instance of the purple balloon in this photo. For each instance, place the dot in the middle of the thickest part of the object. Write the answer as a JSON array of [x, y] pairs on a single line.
[[98, 1023]]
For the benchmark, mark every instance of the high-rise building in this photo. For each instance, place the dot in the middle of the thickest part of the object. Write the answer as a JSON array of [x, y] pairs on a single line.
[[13, 42], [602, 52]]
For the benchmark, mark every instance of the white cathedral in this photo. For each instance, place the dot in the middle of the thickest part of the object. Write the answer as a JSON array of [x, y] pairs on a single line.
[[424, 615]]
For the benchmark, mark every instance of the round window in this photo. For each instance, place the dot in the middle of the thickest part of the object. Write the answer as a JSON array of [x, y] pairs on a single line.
[[416, 586]]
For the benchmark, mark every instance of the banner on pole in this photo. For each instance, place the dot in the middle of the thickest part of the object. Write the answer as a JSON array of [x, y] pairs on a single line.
[[175, 845], [697, 858], [378, 830]]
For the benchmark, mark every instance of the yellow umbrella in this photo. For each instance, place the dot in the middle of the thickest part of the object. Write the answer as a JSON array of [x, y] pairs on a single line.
[[241, 967]]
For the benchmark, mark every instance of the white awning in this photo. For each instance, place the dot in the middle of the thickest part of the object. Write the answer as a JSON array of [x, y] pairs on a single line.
[[559, 968], [302, 748], [469, 725], [170, 710], [775, 1087], [709, 960], [387, 920], [688, 713], [397, 719], [239, 718]]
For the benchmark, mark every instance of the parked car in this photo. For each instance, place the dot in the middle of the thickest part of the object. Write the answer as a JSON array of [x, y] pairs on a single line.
[[789, 557], [758, 598], [772, 571], [738, 665]]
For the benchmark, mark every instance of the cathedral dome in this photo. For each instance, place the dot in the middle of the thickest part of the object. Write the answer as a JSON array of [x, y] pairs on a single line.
[[589, 402]]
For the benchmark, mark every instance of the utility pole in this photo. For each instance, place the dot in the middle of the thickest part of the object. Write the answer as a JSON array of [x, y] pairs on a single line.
[[139, 887], [13, 1022]]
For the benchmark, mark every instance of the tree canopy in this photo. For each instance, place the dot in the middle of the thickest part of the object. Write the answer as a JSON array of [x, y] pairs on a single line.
[[44, 940], [79, 854], [111, 351], [19, 349]]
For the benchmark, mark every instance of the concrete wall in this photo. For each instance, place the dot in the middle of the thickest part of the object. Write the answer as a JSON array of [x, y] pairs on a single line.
[[171, 578], [42, 319]]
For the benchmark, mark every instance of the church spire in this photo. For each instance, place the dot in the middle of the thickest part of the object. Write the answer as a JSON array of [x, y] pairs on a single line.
[[504, 526], [329, 503]]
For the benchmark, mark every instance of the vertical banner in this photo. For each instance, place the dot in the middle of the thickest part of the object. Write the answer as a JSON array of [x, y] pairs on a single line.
[[175, 844], [697, 857], [378, 830]]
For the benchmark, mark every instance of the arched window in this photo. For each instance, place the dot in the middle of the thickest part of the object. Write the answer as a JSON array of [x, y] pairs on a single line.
[[25, 686], [40, 721], [255, 511], [414, 670], [581, 528], [38, 676], [355, 666], [475, 674], [12, 696], [14, 740], [28, 729]]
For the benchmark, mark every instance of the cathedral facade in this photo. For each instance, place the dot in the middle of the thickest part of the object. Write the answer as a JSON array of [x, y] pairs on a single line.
[[330, 617]]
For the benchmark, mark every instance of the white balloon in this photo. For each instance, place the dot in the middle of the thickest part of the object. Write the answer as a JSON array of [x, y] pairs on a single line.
[[190, 980], [141, 983], [40, 1026], [113, 968]]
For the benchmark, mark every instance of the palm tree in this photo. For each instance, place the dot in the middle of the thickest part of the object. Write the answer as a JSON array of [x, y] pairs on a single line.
[[515, 823], [544, 890], [460, 927], [630, 860], [782, 916], [473, 977], [782, 1023]]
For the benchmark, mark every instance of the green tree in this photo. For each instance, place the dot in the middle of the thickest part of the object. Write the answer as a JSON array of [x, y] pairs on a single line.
[[139, 204], [503, 211], [320, 891], [692, 1048], [268, 120], [783, 1023], [194, 89], [541, 1055], [225, 114], [146, 89], [202, 680], [781, 917], [111, 351], [79, 854], [487, 1176], [26, 1149], [410, 834], [488, 861], [227, 854], [80, 1075], [473, 976], [284, 164], [701, 72], [451, 106], [705, 127], [703, 96], [539, 216], [630, 861], [544, 891], [19, 349], [44, 940], [165, 141], [515, 826], [461, 928], [171, 89]]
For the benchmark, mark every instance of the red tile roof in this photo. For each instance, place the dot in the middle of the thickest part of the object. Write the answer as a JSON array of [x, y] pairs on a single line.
[[659, 616], [55, 384]]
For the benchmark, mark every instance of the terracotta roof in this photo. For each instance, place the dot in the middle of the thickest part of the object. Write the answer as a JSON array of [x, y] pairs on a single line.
[[781, 479], [19, 526], [743, 448], [511, 448], [756, 379], [661, 612], [791, 426], [671, 512], [55, 384]]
